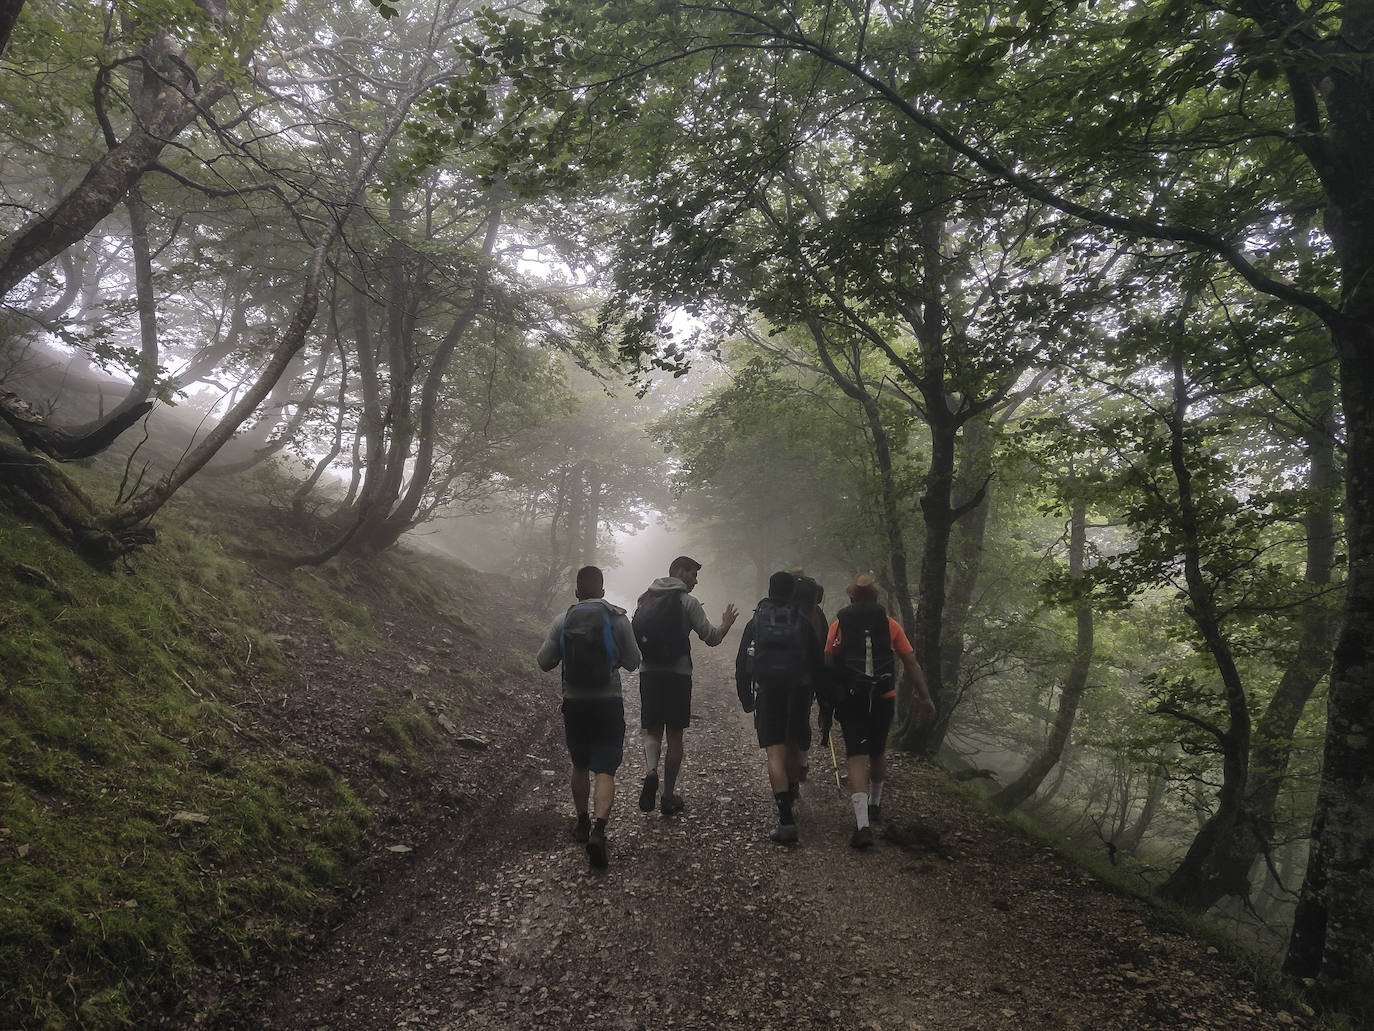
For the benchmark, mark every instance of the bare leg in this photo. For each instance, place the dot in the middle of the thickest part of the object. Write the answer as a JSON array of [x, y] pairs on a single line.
[[605, 795], [580, 783], [777, 767], [652, 740], [672, 759]]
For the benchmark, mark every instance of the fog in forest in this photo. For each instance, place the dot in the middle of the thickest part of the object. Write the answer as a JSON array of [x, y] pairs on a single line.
[[1058, 348]]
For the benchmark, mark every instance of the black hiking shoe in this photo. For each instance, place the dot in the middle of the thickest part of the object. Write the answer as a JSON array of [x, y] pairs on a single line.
[[863, 838], [582, 829], [671, 805], [784, 834], [649, 792], [875, 814], [596, 849]]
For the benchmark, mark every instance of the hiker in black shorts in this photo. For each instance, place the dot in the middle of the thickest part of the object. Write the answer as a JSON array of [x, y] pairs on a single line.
[[806, 599], [593, 642], [779, 654], [863, 643], [665, 616]]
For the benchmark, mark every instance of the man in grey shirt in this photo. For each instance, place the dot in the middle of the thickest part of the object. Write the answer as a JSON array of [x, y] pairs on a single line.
[[666, 615], [593, 642]]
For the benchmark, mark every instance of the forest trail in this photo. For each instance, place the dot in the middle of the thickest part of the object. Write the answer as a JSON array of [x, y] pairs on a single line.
[[701, 922]]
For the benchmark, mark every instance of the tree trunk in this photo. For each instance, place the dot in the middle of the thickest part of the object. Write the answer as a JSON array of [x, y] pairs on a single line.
[[1155, 781], [1198, 876], [966, 555], [108, 182], [938, 513], [1075, 683], [1331, 928], [9, 14], [1273, 738], [269, 436], [403, 516]]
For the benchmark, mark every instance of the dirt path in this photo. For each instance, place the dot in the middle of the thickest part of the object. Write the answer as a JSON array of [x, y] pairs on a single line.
[[701, 922]]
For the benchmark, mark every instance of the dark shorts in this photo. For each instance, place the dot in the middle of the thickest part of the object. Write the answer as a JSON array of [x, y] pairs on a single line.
[[801, 725], [866, 724], [665, 699], [783, 714], [595, 733]]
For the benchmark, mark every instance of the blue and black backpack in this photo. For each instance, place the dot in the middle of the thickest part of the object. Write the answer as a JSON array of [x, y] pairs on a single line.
[[587, 647]]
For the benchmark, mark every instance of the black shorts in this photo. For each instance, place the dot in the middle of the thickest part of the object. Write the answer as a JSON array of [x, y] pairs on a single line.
[[801, 719], [665, 699], [778, 710], [783, 714], [866, 723], [595, 733]]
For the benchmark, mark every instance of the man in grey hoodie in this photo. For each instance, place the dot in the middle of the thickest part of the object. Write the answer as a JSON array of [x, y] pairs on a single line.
[[667, 613], [593, 642]]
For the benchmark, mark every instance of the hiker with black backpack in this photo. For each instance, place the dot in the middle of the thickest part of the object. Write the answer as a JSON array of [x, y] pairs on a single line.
[[593, 642], [779, 655], [860, 648], [664, 618], [806, 599]]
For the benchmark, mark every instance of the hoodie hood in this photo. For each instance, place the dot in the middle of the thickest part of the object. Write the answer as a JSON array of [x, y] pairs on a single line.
[[667, 583]]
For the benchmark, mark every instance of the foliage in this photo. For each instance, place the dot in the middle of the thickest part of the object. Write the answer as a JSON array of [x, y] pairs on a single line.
[[775, 463]]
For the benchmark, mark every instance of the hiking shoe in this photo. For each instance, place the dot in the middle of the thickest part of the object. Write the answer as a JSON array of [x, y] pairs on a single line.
[[784, 834], [671, 805], [596, 849], [649, 792], [863, 838], [582, 828], [875, 814]]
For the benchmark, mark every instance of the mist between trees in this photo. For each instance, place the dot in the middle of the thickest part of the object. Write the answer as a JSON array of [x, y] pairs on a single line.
[[1058, 319]]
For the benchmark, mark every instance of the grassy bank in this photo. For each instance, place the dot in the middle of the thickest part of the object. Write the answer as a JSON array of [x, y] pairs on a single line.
[[149, 831], [142, 833]]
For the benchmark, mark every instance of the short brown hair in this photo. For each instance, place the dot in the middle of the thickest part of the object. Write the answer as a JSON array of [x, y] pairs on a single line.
[[863, 588]]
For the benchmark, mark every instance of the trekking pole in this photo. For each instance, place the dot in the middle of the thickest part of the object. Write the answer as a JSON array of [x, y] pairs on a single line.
[[834, 763]]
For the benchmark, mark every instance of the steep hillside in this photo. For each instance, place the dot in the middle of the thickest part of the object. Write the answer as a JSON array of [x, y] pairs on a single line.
[[205, 752]]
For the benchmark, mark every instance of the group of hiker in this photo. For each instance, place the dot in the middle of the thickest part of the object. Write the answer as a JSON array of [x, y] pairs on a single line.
[[790, 660]]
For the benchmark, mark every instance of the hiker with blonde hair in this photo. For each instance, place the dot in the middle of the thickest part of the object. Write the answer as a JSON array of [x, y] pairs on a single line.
[[860, 647]]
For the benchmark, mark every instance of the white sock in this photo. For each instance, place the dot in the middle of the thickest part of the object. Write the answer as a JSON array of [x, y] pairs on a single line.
[[652, 750], [875, 792], [859, 800]]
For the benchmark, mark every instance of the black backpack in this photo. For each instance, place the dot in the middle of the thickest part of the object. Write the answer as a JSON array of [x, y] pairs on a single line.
[[587, 646], [866, 659], [660, 627], [779, 649]]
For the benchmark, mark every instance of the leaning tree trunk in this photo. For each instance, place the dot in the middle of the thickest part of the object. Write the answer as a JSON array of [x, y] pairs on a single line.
[[1075, 683], [270, 436], [289, 343], [181, 101]]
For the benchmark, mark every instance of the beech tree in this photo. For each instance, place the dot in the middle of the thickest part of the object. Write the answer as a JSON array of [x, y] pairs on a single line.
[[175, 94]]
